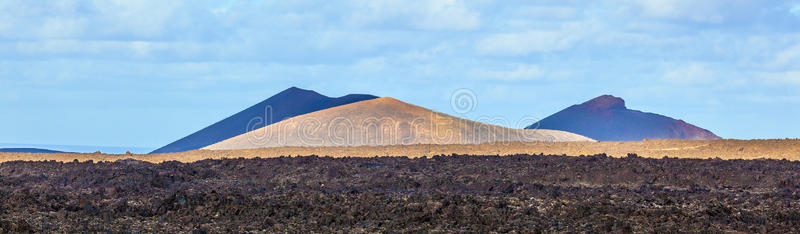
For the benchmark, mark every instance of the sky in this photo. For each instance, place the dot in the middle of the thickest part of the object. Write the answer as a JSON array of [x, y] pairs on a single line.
[[145, 73]]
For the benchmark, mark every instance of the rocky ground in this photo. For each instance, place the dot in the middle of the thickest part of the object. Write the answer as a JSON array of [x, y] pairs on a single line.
[[523, 193]]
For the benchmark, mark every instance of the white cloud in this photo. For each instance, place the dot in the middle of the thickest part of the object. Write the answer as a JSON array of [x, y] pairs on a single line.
[[700, 11], [426, 15], [138, 17], [91, 19], [117, 49], [300, 19], [788, 57], [549, 12], [62, 27], [710, 11], [520, 72], [141, 48], [438, 51], [369, 65], [539, 41], [690, 74], [780, 78], [448, 14], [523, 43], [795, 10], [771, 99], [79, 47]]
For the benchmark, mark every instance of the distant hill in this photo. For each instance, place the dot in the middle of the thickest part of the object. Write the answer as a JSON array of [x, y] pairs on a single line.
[[606, 118], [28, 150], [383, 121], [286, 104], [80, 148]]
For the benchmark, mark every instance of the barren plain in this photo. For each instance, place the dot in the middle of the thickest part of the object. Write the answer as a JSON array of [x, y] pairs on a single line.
[[724, 149]]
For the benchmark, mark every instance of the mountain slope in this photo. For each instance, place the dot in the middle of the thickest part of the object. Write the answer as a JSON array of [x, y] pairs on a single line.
[[606, 118], [383, 121], [286, 104]]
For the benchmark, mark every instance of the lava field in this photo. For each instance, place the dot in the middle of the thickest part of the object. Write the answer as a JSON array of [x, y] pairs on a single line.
[[455, 193]]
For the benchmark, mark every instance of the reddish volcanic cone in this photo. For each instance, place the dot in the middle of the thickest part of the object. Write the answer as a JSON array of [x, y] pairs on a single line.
[[606, 118]]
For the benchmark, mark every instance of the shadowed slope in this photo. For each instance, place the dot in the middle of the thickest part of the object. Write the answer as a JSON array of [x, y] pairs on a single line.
[[606, 118], [286, 104], [383, 121]]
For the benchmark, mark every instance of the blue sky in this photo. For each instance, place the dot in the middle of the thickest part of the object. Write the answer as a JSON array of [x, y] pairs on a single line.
[[145, 73]]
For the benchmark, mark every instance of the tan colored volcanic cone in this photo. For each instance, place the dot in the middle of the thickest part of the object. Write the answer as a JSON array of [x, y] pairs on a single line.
[[383, 121]]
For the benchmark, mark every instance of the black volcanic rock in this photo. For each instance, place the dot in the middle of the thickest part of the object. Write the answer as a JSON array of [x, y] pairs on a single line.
[[606, 118], [286, 104], [28, 150]]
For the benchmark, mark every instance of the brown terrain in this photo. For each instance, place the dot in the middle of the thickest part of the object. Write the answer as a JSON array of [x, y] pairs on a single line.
[[440, 194], [534, 187], [383, 121], [725, 149]]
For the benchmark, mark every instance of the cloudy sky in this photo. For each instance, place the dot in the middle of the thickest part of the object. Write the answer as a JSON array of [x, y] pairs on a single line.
[[145, 73]]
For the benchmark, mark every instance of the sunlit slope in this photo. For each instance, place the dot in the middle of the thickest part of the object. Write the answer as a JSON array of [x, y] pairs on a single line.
[[383, 121]]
